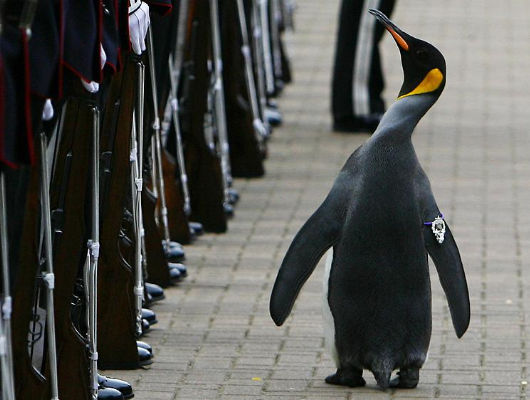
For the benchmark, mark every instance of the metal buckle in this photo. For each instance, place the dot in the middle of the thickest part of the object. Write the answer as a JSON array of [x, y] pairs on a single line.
[[438, 228]]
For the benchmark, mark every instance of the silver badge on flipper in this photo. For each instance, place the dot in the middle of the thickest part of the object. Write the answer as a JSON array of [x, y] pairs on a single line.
[[438, 228]]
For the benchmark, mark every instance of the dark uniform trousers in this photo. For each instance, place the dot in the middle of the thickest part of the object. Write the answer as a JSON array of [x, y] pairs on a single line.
[[357, 76]]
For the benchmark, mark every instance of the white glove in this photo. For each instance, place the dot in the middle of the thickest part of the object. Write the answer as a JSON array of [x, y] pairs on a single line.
[[92, 86], [138, 24], [47, 112]]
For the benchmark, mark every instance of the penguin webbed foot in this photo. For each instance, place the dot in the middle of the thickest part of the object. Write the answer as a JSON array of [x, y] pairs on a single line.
[[407, 378], [351, 377]]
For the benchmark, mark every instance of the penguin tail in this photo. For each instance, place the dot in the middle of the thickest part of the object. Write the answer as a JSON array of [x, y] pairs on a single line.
[[382, 377]]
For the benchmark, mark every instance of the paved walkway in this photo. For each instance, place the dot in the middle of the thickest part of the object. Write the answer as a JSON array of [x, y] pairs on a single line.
[[215, 339]]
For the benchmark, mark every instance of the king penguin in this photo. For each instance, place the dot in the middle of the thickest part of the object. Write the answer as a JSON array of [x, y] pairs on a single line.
[[380, 221]]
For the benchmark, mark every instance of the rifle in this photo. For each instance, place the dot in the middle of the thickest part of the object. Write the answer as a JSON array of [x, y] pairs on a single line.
[[110, 128], [179, 148], [219, 102], [259, 128], [275, 14], [171, 115], [257, 47], [6, 355], [263, 12], [247, 145], [157, 266], [116, 319], [30, 380], [67, 199], [48, 277], [178, 223], [31, 368], [202, 165], [91, 264], [136, 159], [156, 145]]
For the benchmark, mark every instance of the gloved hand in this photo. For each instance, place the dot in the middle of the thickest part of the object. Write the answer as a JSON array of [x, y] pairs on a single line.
[[138, 24], [92, 86], [47, 112]]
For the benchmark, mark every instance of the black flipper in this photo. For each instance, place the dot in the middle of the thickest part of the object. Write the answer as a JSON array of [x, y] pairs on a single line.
[[452, 277], [446, 258], [316, 236]]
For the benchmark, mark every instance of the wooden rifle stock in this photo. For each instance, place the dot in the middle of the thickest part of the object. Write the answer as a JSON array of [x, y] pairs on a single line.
[[178, 223], [68, 197], [116, 333], [28, 382], [157, 269], [67, 192]]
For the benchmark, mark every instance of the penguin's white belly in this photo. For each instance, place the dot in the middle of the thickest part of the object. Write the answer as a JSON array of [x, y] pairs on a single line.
[[329, 323]]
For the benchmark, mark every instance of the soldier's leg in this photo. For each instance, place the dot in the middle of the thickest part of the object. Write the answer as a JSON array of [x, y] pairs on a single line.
[[377, 81], [351, 106]]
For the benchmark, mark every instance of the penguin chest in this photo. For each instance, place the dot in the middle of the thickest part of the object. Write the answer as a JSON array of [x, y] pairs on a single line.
[[371, 308], [327, 316]]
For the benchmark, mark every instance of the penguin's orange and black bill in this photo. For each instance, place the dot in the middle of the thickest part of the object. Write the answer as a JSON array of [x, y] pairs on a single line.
[[397, 33]]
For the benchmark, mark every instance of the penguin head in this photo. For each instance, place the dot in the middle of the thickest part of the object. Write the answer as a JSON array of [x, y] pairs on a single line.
[[423, 64]]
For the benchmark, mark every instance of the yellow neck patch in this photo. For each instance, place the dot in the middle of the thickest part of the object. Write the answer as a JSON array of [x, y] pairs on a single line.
[[430, 83]]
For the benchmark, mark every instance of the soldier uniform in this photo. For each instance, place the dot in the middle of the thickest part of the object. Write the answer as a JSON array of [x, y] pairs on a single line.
[[358, 82]]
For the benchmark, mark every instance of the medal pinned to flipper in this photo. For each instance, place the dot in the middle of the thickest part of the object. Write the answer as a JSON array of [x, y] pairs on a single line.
[[438, 228]]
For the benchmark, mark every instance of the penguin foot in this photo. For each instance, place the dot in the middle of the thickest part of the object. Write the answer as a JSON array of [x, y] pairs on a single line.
[[351, 377], [407, 378]]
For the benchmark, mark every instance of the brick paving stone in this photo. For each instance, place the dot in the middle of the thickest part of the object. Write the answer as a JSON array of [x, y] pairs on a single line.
[[215, 339]]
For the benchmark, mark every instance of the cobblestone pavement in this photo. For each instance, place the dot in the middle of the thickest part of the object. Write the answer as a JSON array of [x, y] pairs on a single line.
[[215, 339]]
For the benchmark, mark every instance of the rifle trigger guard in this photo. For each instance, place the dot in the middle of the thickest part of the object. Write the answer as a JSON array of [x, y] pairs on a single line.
[[49, 278]]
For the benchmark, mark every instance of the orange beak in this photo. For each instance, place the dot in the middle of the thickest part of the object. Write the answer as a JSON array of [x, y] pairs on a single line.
[[390, 27]]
